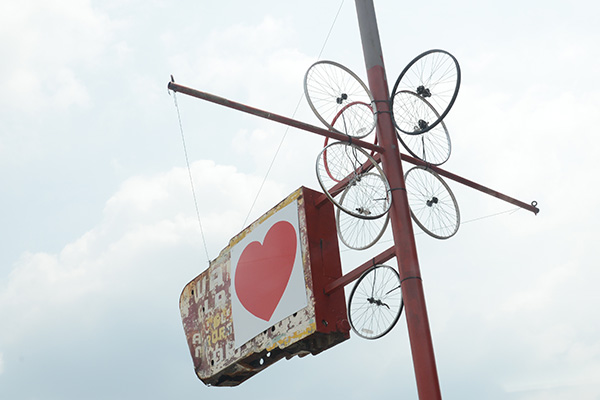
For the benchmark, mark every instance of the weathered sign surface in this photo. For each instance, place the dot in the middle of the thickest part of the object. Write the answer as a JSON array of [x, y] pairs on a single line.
[[262, 298]]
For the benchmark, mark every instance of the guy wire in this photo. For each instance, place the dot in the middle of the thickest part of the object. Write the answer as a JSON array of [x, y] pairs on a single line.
[[287, 128], [187, 161], [511, 211]]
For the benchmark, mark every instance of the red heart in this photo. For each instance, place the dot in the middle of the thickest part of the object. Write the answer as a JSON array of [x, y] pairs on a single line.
[[263, 271]]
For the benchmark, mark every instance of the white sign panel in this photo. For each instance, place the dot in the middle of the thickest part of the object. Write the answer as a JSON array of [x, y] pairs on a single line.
[[267, 275]]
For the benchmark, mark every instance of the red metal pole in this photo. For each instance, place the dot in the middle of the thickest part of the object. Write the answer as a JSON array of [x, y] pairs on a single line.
[[405, 249]]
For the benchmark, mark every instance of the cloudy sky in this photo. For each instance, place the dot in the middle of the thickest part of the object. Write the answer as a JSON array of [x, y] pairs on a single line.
[[99, 227]]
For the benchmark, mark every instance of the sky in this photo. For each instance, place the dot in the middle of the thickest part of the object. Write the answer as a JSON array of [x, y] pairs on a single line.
[[99, 226]]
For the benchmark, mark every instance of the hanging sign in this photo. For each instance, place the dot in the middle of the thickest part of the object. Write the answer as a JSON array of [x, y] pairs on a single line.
[[262, 298]]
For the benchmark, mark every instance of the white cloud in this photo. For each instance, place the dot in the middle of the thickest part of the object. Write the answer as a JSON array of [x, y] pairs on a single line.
[[540, 295], [254, 62], [48, 42], [149, 220]]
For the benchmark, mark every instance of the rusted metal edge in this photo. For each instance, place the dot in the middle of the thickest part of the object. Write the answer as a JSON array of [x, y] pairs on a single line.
[[273, 117]]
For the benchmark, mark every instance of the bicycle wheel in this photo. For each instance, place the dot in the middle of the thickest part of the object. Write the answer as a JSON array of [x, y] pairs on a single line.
[[375, 303], [359, 233], [433, 75], [343, 166], [432, 204], [432, 146], [329, 88]]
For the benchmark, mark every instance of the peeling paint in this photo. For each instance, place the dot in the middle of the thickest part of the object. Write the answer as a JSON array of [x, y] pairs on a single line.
[[206, 312]]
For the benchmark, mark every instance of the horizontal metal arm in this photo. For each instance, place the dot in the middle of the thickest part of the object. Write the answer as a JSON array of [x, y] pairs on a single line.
[[358, 271], [273, 117], [529, 207], [415, 161]]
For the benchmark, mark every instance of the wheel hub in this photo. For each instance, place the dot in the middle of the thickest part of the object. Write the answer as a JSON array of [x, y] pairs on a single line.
[[341, 99], [377, 302], [423, 91], [434, 200]]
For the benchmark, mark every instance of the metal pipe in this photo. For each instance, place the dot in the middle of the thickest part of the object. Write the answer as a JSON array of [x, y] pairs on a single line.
[[358, 271], [529, 207], [415, 161], [273, 117]]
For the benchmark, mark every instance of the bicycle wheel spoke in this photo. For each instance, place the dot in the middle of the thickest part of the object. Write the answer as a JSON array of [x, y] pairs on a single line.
[[366, 194], [355, 119]]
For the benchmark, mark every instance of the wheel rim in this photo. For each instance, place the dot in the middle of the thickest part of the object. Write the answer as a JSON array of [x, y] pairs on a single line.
[[329, 88], [432, 146], [359, 233], [375, 303], [432, 204], [434, 76], [341, 165]]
